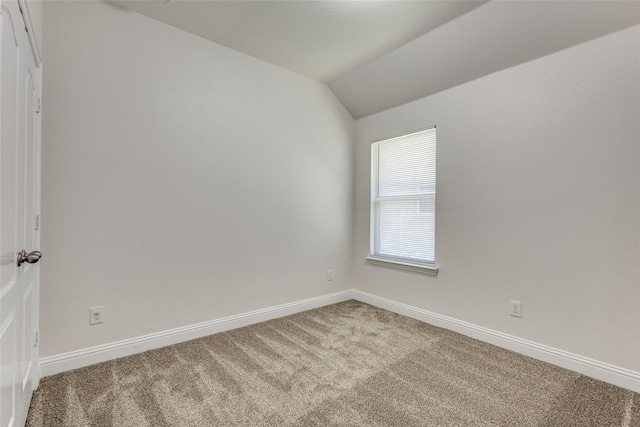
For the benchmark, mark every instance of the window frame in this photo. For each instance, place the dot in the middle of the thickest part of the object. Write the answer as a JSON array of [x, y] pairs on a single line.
[[429, 268]]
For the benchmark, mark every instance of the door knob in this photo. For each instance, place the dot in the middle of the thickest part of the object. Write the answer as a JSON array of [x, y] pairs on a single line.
[[31, 257]]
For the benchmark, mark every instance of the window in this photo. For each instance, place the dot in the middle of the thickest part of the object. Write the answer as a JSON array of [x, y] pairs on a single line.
[[403, 201]]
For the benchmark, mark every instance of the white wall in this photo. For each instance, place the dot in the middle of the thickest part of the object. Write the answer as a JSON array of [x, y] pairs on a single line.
[[182, 181], [538, 200]]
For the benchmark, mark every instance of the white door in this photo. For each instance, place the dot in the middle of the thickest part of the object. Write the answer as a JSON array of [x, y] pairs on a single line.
[[19, 204]]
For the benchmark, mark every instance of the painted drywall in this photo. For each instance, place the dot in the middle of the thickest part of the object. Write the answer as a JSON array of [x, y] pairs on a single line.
[[182, 181], [490, 38], [538, 200]]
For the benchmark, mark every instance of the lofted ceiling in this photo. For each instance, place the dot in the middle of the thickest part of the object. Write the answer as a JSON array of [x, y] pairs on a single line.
[[319, 39], [378, 54]]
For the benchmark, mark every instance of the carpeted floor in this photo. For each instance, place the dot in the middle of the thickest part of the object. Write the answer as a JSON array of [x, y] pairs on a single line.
[[348, 364]]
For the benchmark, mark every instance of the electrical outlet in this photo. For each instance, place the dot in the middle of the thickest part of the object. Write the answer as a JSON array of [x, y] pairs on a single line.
[[36, 337], [96, 315], [329, 275], [516, 308]]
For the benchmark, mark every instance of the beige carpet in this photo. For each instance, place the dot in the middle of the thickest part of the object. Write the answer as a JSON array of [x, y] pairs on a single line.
[[348, 364]]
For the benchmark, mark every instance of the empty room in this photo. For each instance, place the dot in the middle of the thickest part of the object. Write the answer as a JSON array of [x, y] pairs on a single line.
[[319, 213]]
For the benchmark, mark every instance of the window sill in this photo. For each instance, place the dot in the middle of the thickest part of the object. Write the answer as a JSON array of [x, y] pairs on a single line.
[[400, 265]]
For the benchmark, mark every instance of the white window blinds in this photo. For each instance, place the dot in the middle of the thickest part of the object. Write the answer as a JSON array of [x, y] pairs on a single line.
[[403, 198]]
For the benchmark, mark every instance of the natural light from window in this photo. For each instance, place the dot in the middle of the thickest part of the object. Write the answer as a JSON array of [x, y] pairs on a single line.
[[403, 198]]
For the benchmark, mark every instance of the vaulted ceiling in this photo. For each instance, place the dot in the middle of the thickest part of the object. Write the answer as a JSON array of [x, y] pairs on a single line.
[[376, 55]]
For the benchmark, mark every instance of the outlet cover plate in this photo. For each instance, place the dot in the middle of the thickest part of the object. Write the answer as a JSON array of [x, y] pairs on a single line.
[[96, 315], [515, 308]]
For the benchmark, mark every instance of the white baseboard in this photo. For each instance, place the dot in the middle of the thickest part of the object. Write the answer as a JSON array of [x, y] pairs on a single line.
[[602, 371], [599, 370], [88, 356]]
